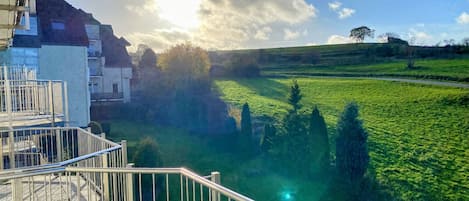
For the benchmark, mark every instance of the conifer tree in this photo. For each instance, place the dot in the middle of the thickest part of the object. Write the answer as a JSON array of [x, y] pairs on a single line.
[[267, 141], [246, 124], [295, 96], [351, 146], [319, 141]]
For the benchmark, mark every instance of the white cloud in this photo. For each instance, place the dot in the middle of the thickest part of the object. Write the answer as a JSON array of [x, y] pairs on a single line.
[[221, 24], [463, 18], [346, 13], [228, 24], [419, 37], [142, 8], [290, 35], [338, 39], [335, 5], [263, 34], [159, 39], [342, 13]]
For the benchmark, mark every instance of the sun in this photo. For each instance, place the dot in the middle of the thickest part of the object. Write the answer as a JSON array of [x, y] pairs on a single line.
[[181, 13]]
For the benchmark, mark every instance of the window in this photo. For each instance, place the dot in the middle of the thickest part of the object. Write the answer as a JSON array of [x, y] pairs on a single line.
[[115, 88], [58, 25]]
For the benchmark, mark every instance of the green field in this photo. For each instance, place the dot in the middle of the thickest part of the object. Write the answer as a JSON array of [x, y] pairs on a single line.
[[418, 135], [204, 154], [445, 69]]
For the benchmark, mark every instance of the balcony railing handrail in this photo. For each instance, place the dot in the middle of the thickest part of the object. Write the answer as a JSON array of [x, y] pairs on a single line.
[[182, 171], [80, 143], [19, 172], [64, 128]]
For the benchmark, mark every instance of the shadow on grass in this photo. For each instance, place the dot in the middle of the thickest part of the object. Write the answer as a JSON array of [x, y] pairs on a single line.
[[265, 87]]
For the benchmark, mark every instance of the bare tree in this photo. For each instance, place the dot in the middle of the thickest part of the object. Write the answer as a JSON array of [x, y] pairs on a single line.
[[410, 54], [386, 36], [449, 42], [465, 42]]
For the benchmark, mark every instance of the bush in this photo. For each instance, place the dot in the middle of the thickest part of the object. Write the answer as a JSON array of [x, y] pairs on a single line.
[[96, 127], [148, 155], [242, 65]]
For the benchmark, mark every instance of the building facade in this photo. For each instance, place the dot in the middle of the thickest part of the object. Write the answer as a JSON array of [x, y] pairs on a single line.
[[109, 63], [55, 46]]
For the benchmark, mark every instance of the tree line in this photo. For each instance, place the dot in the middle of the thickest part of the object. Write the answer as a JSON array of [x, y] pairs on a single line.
[[299, 146]]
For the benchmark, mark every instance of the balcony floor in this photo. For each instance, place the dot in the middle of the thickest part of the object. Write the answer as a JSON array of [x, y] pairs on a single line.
[[25, 119]]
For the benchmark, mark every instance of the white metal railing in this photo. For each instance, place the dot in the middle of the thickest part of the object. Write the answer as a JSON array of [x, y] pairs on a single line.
[[74, 164], [32, 99], [113, 184], [17, 73], [40, 147]]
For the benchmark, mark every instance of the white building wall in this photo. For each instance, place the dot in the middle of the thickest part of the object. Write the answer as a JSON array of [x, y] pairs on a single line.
[[70, 64], [20, 57], [119, 76]]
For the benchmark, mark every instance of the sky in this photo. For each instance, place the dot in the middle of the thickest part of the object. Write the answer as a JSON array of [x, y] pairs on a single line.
[[242, 24]]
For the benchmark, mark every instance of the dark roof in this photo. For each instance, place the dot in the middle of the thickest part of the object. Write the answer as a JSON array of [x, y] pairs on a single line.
[[60, 11], [88, 18], [114, 49]]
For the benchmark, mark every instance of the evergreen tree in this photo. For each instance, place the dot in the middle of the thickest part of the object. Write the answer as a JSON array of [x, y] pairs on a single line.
[[267, 141], [351, 146], [293, 148], [295, 96], [148, 59], [246, 124], [319, 141]]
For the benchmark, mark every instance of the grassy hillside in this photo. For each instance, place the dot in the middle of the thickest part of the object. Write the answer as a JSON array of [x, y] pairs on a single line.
[[444, 69], [418, 135], [366, 59]]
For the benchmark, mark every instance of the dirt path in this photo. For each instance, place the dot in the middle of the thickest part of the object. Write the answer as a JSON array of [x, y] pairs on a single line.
[[427, 82]]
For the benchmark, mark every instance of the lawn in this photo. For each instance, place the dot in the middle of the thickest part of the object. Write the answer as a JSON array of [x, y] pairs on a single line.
[[418, 134], [449, 69], [204, 154]]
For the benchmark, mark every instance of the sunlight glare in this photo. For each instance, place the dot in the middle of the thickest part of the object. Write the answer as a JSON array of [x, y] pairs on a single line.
[[181, 13]]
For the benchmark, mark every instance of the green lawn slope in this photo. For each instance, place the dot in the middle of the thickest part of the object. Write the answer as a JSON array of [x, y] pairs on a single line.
[[418, 134]]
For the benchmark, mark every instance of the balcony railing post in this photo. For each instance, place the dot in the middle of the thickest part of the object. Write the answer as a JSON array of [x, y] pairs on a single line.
[[11, 149], [105, 175], [130, 184], [58, 140], [17, 189], [124, 153], [8, 102], [65, 95], [51, 102], [1, 153], [215, 177]]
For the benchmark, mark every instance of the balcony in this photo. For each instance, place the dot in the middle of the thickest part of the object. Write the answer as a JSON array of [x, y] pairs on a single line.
[[107, 97], [74, 164], [31, 102], [66, 163]]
